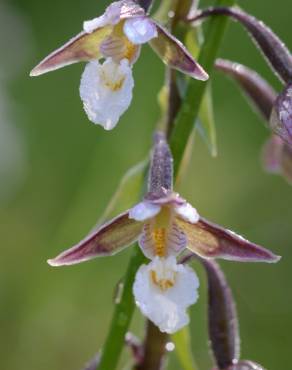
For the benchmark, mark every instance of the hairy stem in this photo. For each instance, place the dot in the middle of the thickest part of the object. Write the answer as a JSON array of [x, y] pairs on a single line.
[[154, 349]]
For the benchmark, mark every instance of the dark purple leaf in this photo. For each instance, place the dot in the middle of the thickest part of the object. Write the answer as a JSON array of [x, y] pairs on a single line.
[[109, 239], [212, 241], [275, 51], [281, 117], [223, 325]]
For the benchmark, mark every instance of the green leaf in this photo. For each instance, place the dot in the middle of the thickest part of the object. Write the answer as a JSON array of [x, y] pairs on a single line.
[[206, 122], [183, 351], [195, 90], [128, 191]]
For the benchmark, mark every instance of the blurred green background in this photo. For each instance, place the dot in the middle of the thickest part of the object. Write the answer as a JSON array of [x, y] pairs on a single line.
[[58, 172]]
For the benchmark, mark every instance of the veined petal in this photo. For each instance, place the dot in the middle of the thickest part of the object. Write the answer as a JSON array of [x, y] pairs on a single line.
[[83, 47], [119, 48], [107, 240], [210, 240], [106, 91], [155, 241], [163, 291], [140, 30], [174, 54], [144, 210], [187, 212]]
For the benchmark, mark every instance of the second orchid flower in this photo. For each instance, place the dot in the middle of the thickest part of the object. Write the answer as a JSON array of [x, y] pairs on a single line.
[[117, 36], [165, 225]]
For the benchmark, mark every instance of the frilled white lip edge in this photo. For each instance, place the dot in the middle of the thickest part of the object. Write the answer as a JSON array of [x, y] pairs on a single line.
[[164, 290], [106, 91]]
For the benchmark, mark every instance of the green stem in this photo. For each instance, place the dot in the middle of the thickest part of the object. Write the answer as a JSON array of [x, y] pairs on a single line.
[[184, 124], [123, 313], [188, 113]]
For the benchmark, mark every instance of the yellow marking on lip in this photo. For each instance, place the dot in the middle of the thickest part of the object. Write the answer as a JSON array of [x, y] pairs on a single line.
[[163, 284], [159, 238], [112, 85]]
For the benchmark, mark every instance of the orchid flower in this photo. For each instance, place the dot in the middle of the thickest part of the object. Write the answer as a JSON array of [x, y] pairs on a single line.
[[164, 225], [116, 36]]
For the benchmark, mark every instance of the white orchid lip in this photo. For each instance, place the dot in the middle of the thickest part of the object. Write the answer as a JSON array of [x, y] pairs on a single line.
[[106, 91], [164, 290]]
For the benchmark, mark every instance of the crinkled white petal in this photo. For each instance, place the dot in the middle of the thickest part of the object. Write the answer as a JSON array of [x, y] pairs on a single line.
[[166, 308], [143, 211], [188, 213], [140, 30], [106, 91], [112, 15]]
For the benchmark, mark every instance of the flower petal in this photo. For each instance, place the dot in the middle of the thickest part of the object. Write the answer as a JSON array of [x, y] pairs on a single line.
[[162, 243], [143, 211], [210, 240], [174, 54], [106, 91], [107, 240], [113, 14], [165, 304], [187, 212], [281, 117], [83, 47], [119, 48], [140, 30]]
